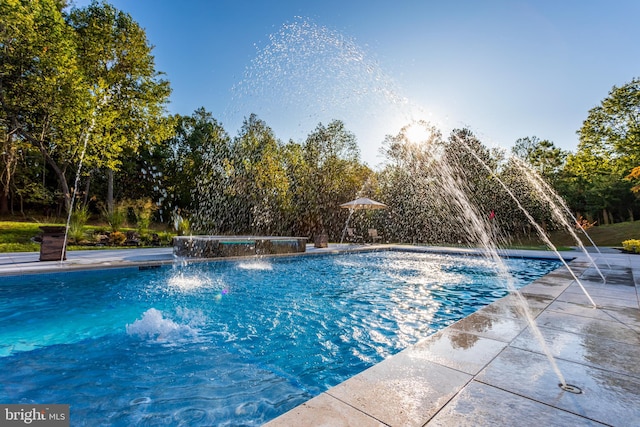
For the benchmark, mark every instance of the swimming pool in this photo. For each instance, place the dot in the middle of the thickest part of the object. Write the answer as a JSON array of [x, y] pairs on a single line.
[[227, 343]]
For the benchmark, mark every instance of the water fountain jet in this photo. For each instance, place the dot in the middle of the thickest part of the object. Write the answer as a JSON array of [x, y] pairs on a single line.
[[544, 190], [478, 230], [492, 253], [533, 222], [86, 136]]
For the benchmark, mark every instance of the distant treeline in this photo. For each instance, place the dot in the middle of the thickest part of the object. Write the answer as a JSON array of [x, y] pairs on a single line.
[[79, 92]]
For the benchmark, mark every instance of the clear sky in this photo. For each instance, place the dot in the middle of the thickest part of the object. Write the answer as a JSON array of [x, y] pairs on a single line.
[[506, 69]]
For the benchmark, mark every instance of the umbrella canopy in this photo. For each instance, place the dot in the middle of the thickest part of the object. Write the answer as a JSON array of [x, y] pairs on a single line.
[[363, 203]]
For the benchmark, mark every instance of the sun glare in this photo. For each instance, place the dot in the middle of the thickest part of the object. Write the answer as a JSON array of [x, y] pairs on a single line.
[[416, 132]]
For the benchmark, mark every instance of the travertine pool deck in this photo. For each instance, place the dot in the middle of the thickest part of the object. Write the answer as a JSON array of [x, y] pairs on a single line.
[[487, 369]]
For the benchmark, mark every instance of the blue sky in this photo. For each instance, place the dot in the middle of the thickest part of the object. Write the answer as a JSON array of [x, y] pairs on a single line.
[[504, 69]]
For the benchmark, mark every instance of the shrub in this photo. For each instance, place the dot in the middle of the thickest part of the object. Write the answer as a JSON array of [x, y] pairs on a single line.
[[165, 238], [584, 224], [143, 210], [78, 220], [117, 238], [76, 235], [117, 218], [631, 246]]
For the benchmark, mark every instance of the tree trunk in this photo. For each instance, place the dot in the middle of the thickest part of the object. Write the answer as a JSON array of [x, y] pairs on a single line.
[[86, 188], [605, 216], [110, 204], [62, 179], [9, 160], [40, 143], [4, 203]]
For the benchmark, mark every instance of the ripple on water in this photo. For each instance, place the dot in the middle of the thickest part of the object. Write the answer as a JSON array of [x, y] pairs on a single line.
[[190, 416], [140, 401]]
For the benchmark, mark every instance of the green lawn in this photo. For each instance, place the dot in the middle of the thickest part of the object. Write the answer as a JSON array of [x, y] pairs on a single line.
[[603, 235], [16, 237]]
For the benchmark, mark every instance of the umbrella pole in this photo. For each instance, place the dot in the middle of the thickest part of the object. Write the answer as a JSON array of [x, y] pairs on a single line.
[[346, 225]]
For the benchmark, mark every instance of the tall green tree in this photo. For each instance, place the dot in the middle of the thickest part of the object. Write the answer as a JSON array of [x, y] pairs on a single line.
[[608, 150], [259, 186], [450, 191], [409, 184], [296, 170], [196, 171], [199, 150], [333, 175], [84, 86], [473, 166], [128, 95], [593, 189], [542, 155], [43, 95], [612, 129]]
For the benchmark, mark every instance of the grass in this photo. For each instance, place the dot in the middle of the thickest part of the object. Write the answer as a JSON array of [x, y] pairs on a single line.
[[15, 236], [603, 235]]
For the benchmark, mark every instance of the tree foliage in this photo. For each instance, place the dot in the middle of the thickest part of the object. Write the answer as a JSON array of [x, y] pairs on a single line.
[[77, 87], [612, 129], [542, 155], [332, 175], [408, 186], [609, 148], [81, 86], [43, 94], [258, 179], [255, 184], [127, 94]]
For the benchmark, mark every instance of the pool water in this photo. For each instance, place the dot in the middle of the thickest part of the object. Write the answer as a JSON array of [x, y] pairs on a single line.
[[231, 342]]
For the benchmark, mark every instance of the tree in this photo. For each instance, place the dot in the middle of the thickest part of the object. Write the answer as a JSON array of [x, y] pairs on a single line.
[[8, 164], [296, 170], [259, 186], [542, 155], [608, 150], [612, 129], [42, 92], [593, 189], [409, 185], [332, 175], [452, 191], [196, 171], [200, 147], [81, 88], [128, 95], [473, 167]]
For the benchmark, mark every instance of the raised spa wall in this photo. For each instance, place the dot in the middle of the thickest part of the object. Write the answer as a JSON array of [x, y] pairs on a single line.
[[232, 246]]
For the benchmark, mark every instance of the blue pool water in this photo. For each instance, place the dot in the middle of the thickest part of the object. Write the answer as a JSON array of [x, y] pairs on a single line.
[[226, 343]]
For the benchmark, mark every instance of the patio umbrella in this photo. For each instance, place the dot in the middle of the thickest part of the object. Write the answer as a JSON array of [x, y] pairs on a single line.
[[363, 203]]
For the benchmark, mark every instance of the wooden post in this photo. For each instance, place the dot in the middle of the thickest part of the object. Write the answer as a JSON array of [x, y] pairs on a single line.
[[52, 247]]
